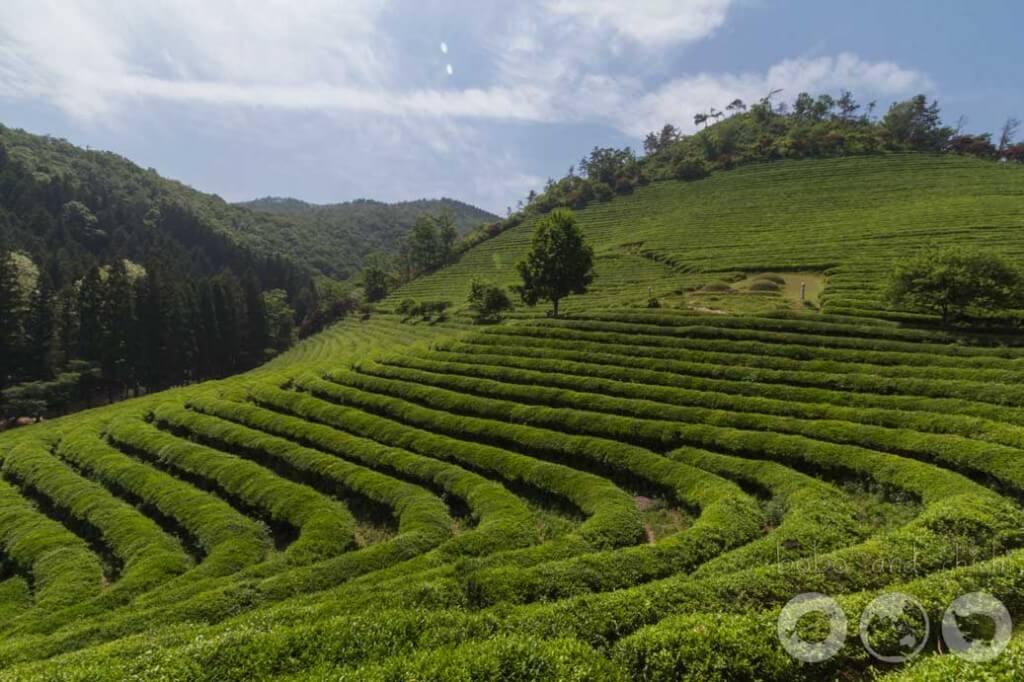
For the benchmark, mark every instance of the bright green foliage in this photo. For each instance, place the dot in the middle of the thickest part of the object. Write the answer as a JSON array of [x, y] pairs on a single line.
[[559, 261], [621, 492], [951, 281]]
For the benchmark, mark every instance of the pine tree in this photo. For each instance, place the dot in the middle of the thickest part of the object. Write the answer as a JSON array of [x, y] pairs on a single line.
[[10, 317], [118, 312], [256, 335], [39, 326]]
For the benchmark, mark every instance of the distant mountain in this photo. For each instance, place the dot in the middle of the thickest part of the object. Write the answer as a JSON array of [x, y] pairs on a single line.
[[334, 238]]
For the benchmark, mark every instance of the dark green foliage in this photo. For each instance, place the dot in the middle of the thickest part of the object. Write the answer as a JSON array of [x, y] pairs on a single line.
[[424, 310], [70, 209], [377, 279], [488, 302], [952, 281], [429, 245], [279, 320], [916, 124], [10, 316], [559, 262], [337, 239], [690, 169]]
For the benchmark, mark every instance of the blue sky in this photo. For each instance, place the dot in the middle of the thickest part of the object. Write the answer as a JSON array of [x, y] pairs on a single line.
[[330, 100]]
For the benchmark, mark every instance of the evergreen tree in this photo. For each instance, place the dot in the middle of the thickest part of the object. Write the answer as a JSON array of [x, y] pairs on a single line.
[[151, 330], [10, 317], [256, 335], [119, 348], [38, 351]]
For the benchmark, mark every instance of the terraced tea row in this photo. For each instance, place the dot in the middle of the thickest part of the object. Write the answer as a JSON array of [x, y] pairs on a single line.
[[621, 493], [459, 444]]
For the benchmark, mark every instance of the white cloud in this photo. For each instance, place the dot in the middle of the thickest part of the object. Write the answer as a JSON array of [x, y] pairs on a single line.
[[79, 54], [678, 100], [362, 75], [649, 22], [89, 57]]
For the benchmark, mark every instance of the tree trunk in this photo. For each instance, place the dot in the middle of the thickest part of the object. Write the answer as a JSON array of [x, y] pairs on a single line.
[[555, 302]]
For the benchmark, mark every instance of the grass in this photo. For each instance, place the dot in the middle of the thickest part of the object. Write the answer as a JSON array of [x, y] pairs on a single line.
[[621, 493]]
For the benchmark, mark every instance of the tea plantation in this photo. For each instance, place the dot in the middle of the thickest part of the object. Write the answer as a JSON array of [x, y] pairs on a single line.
[[624, 492]]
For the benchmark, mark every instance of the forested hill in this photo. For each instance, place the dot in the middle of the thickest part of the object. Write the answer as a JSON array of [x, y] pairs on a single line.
[[115, 280], [335, 238], [70, 209]]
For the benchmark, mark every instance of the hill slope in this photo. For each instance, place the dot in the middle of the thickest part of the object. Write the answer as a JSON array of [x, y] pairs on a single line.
[[118, 210], [335, 238], [620, 493]]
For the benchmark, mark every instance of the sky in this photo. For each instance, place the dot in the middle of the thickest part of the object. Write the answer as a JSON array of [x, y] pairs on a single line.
[[332, 100]]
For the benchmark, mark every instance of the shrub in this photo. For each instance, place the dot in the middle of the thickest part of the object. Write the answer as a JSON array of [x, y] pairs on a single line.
[[688, 169], [602, 192], [407, 308], [488, 302]]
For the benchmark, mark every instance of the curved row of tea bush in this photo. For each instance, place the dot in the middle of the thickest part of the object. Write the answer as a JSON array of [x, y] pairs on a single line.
[[571, 370], [144, 555], [325, 527], [786, 345], [929, 382], [612, 518], [61, 569], [651, 422]]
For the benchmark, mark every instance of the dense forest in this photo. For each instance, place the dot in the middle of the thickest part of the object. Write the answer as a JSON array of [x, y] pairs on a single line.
[[767, 130], [116, 281], [336, 239]]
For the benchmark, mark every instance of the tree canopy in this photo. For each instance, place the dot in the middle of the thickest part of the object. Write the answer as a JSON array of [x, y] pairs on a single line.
[[952, 280], [559, 261]]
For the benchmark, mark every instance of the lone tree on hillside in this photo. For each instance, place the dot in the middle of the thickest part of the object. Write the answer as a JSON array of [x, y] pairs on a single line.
[[949, 281], [559, 263]]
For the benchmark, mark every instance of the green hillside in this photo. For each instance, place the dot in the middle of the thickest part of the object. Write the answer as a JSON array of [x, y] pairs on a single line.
[[336, 238], [623, 492]]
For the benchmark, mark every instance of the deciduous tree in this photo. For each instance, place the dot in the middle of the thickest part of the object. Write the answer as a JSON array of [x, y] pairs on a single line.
[[949, 281], [559, 262]]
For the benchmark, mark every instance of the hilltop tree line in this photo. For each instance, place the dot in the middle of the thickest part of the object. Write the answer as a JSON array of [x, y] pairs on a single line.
[[738, 133]]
